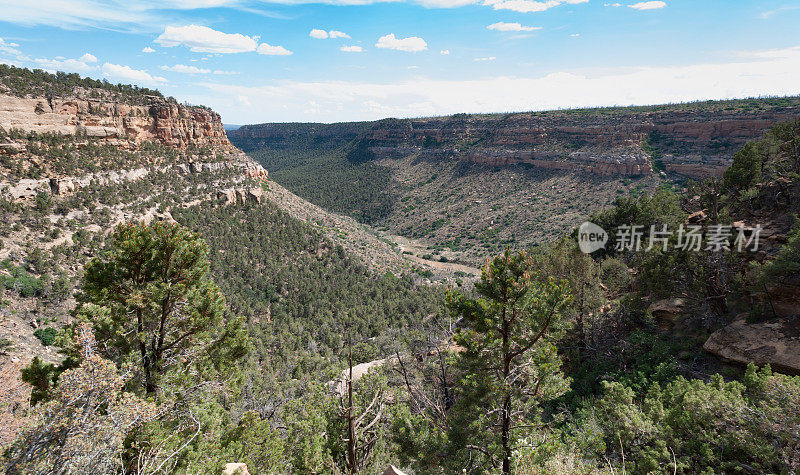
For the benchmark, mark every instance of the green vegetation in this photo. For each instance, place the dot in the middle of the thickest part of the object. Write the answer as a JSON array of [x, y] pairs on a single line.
[[154, 306], [510, 365], [322, 172], [38, 83], [230, 337], [19, 279], [46, 335]]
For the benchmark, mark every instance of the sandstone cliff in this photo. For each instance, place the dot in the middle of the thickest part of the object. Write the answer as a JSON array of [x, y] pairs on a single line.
[[93, 114], [695, 140]]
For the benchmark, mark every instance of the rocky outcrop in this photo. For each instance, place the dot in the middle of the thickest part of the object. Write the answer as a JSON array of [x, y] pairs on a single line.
[[26, 189], [240, 196], [695, 140], [692, 144], [166, 121], [776, 343]]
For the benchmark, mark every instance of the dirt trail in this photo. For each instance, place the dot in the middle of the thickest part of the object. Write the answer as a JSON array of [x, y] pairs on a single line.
[[416, 248]]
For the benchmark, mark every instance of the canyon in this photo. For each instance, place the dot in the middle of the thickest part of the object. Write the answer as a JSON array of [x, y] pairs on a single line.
[[695, 140]]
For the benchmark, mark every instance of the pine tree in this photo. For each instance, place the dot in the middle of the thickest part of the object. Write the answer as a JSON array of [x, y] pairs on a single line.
[[152, 302], [509, 359]]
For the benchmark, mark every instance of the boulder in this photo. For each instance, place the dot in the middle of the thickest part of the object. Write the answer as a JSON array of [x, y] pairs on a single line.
[[667, 309], [392, 470], [235, 468], [776, 343]]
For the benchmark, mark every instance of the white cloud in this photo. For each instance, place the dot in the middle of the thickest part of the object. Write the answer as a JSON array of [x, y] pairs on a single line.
[[615, 5], [655, 5], [202, 39], [750, 74], [128, 74], [80, 65], [529, 6], [352, 49], [225, 73], [148, 49], [444, 52], [9, 48], [183, 69], [270, 50], [490, 58], [769, 14], [72, 14], [575, 35], [503, 26], [412, 44], [322, 34]]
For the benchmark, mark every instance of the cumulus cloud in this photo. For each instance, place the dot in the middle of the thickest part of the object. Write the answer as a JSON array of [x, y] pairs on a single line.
[[655, 5], [127, 74], [183, 69], [529, 6], [9, 48], [270, 50], [490, 58], [322, 34], [412, 44], [225, 73], [444, 52], [80, 65], [503, 26], [752, 74], [202, 39], [352, 49], [148, 49]]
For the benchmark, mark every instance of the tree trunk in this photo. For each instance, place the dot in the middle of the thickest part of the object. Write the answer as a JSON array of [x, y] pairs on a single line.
[[351, 429], [506, 435]]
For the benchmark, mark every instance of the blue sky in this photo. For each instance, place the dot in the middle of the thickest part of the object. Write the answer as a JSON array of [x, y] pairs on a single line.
[[341, 60]]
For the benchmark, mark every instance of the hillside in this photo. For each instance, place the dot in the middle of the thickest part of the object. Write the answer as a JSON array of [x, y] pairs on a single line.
[[79, 157], [467, 185], [166, 307]]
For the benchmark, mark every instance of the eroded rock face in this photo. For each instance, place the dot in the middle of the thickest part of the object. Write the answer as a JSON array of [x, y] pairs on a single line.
[[695, 144], [776, 343], [170, 123], [240, 196]]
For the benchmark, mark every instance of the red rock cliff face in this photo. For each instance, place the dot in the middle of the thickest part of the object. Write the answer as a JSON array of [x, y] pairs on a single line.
[[170, 123], [178, 125], [691, 143]]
